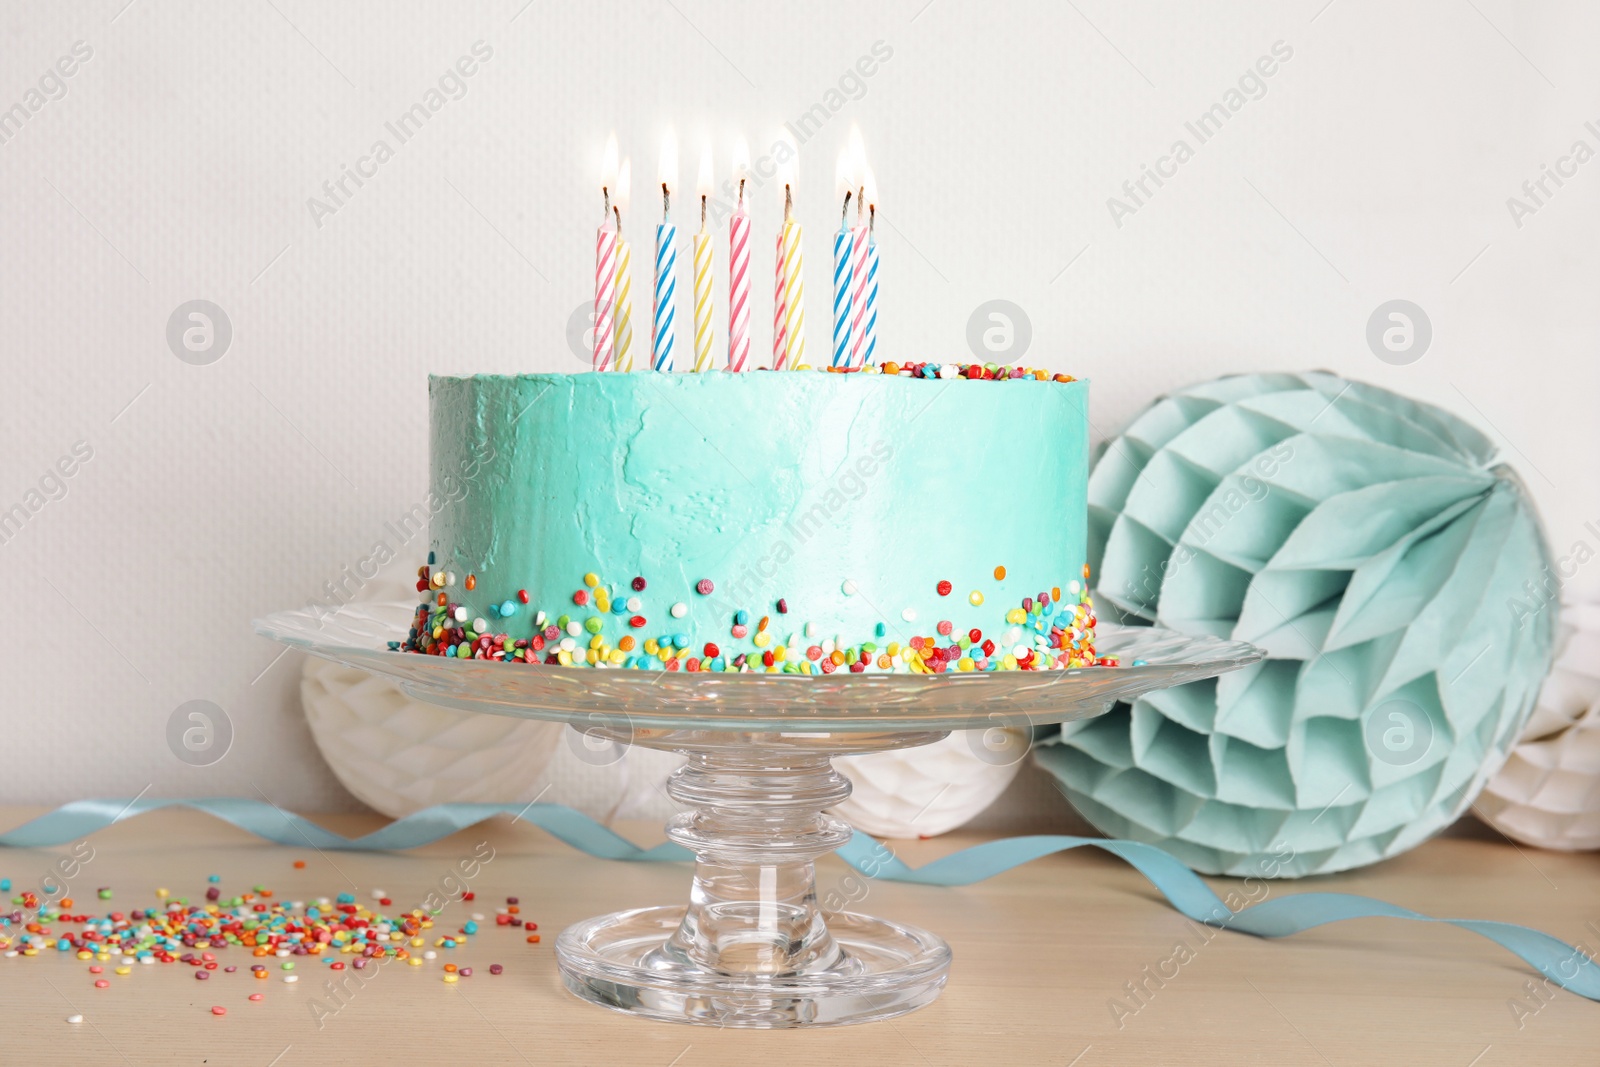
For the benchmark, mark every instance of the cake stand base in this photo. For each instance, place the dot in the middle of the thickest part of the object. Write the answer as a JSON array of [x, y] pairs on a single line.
[[622, 961], [755, 947]]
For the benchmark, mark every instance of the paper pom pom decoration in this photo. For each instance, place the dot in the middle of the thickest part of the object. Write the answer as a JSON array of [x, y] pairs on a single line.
[[1389, 565], [1548, 792], [400, 755], [921, 792]]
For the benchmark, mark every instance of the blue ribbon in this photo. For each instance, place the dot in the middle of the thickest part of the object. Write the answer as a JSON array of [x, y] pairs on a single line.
[[1559, 962]]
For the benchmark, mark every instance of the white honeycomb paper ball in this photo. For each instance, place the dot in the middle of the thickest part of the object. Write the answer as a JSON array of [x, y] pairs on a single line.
[[1548, 792], [921, 792], [399, 755]]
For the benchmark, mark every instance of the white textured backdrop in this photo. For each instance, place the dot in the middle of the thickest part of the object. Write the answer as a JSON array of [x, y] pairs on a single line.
[[178, 161]]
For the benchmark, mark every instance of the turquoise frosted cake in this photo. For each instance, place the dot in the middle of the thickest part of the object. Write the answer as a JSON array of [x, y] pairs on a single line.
[[912, 518]]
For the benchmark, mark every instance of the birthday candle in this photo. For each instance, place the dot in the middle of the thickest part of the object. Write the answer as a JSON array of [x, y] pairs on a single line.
[[841, 267], [739, 267], [703, 328], [624, 314], [663, 324], [605, 265], [788, 297], [858, 289], [869, 332]]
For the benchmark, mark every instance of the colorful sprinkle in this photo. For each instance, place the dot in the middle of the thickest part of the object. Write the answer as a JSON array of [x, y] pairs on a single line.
[[1062, 636]]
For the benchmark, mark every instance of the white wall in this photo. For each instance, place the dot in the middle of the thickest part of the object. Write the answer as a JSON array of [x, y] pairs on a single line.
[[180, 160]]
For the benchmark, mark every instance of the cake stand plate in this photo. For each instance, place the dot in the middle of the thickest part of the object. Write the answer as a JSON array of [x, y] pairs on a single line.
[[753, 947]]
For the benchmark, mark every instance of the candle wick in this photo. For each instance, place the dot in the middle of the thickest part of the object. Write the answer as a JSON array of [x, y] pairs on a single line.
[[741, 191], [618, 212], [605, 196], [872, 220], [844, 212], [788, 201], [861, 199], [666, 202], [702, 212]]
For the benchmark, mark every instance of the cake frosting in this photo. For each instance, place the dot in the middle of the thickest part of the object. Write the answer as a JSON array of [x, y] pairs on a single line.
[[791, 522]]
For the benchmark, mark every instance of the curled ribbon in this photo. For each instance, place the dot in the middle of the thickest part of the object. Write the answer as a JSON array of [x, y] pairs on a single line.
[[1561, 963]]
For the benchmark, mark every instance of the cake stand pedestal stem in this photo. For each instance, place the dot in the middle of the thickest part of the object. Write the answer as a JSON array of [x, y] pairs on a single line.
[[753, 947]]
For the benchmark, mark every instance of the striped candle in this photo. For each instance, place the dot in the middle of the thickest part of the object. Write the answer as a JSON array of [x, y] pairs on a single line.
[[605, 271], [663, 321], [739, 288], [869, 343], [624, 316], [789, 301], [780, 311], [664, 333], [858, 296], [841, 292], [788, 283], [869, 312], [703, 329]]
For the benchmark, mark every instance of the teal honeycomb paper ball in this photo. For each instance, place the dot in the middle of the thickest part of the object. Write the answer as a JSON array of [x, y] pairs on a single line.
[[1394, 570]]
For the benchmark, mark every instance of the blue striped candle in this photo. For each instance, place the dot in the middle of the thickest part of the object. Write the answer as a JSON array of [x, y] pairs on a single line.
[[663, 334], [841, 296]]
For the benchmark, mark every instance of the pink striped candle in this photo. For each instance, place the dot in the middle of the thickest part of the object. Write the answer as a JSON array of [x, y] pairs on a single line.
[[779, 308], [869, 328], [605, 279], [860, 237], [739, 269]]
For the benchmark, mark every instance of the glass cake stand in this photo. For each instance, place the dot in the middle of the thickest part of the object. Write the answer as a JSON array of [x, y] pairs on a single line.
[[752, 947]]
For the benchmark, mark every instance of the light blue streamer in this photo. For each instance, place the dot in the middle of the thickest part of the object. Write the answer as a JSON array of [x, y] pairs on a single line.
[[1558, 961], [568, 825], [1561, 963]]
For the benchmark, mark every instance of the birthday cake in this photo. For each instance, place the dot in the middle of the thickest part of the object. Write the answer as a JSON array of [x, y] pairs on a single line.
[[909, 518]]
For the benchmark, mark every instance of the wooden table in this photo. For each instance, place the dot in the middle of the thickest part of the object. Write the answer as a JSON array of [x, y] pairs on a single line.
[[1041, 955]]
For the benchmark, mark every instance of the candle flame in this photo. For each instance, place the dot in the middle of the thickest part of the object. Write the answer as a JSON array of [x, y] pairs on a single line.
[[608, 164], [707, 180], [787, 156], [741, 160], [669, 161], [624, 186], [858, 157], [844, 179]]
